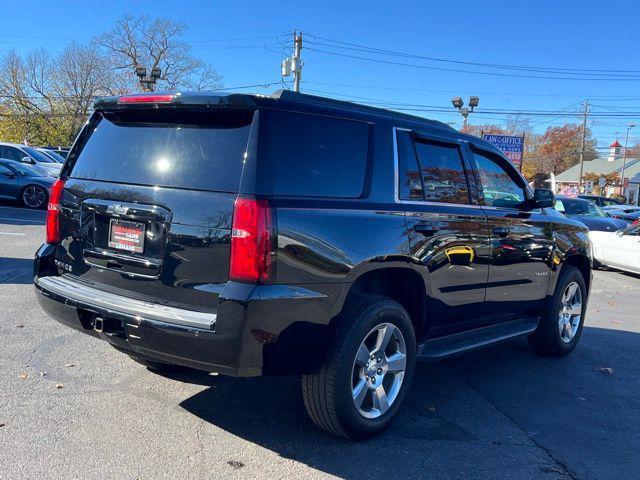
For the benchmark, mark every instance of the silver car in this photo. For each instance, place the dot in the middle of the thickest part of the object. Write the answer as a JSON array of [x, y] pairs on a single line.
[[30, 156]]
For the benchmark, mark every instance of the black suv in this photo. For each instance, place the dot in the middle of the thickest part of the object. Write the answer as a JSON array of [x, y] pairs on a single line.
[[257, 235]]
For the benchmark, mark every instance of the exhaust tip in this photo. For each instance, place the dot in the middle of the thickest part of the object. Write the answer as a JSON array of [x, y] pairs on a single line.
[[98, 324]]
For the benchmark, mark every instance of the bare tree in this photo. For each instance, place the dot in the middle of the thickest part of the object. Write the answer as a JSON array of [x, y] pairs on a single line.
[[81, 75], [49, 98], [46, 98], [145, 42]]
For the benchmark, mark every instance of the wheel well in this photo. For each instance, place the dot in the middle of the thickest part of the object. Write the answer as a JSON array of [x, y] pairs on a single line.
[[403, 285], [581, 262]]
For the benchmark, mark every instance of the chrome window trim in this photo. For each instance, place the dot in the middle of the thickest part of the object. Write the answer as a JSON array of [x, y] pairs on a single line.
[[396, 188]]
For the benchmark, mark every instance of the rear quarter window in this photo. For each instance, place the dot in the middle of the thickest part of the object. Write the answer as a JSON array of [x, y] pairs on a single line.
[[312, 155]]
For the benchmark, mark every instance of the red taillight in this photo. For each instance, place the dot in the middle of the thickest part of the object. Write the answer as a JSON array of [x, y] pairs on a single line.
[[251, 241], [53, 212], [164, 98]]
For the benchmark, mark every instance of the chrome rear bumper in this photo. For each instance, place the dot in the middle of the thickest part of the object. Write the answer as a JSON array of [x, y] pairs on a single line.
[[123, 306]]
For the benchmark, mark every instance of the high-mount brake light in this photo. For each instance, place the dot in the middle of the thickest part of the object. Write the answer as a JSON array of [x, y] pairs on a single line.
[[53, 212], [145, 98], [251, 233]]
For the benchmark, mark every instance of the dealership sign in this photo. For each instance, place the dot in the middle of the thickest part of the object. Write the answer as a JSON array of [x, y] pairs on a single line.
[[510, 145]]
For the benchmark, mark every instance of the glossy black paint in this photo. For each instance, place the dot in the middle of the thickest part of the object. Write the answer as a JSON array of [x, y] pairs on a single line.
[[478, 267]]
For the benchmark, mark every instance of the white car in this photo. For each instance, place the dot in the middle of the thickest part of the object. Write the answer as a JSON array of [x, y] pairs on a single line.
[[619, 250]]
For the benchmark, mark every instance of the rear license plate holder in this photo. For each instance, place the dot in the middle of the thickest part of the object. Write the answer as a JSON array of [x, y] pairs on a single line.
[[126, 235]]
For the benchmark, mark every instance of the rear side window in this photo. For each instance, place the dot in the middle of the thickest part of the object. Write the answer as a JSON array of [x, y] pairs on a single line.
[[198, 150], [410, 187], [443, 175], [312, 155]]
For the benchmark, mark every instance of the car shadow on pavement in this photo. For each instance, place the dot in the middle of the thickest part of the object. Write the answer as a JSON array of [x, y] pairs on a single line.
[[16, 270], [464, 416]]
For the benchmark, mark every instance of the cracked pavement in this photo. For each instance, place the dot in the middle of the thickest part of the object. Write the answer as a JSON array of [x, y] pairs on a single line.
[[86, 411]]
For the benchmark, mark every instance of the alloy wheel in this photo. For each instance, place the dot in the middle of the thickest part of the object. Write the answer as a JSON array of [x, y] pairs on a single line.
[[34, 197], [378, 370], [570, 312]]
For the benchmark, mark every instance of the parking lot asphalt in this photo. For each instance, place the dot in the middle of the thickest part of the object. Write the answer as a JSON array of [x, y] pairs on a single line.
[[73, 407]]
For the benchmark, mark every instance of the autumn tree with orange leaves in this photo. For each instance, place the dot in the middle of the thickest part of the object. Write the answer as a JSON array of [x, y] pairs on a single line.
[[554, 151], [560, 148]]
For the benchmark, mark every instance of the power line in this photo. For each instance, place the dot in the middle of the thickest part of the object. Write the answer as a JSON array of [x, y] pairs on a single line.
[[611, 98], [489, 111], [474, 72], [563, 70]]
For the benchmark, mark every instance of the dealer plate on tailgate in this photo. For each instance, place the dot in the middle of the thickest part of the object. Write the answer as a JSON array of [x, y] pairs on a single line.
[[125, 235]]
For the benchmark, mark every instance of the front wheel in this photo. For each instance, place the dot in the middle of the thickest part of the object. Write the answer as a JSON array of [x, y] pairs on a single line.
[[368, 370], [561, 327], [34, 196]]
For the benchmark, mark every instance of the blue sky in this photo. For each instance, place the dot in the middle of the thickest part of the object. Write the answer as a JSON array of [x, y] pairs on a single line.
[[233, 35]]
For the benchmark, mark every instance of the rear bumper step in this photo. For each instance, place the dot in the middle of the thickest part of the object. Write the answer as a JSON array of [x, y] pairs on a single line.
[[164, 334], [123, 306]]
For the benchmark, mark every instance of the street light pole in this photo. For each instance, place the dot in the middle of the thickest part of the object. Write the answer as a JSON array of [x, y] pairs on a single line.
[[148, 83], [624, 157], [458, 103], [583, 137]]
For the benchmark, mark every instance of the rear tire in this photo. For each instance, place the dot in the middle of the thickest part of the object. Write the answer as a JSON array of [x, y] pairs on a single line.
[[359, 390], [561, 327]]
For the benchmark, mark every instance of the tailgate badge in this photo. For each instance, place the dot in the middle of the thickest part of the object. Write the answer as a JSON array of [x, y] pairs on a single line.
[[117, 209]]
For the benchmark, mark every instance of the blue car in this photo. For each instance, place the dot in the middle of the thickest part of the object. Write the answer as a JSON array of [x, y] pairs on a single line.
[[27, 184], [589, 213]]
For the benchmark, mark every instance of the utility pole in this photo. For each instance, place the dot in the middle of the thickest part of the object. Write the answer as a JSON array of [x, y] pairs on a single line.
[[294, 64], [624, 157], [584, 134], [296, 61]]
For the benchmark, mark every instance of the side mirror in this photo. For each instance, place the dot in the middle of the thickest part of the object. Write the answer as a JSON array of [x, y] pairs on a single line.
[[26, 160], [543, 198]]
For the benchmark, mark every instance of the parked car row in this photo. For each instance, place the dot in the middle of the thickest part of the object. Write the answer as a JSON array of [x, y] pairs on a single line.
[[27, 173]]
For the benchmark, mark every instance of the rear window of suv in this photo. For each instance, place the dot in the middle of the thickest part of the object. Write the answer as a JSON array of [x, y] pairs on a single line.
[[312, 155], [198, 150]]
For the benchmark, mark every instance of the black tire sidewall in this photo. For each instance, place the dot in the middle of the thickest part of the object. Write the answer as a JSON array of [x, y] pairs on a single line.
[[385, 311]]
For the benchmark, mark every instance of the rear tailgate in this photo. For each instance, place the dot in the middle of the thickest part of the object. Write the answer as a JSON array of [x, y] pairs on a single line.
[[148, 203]]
